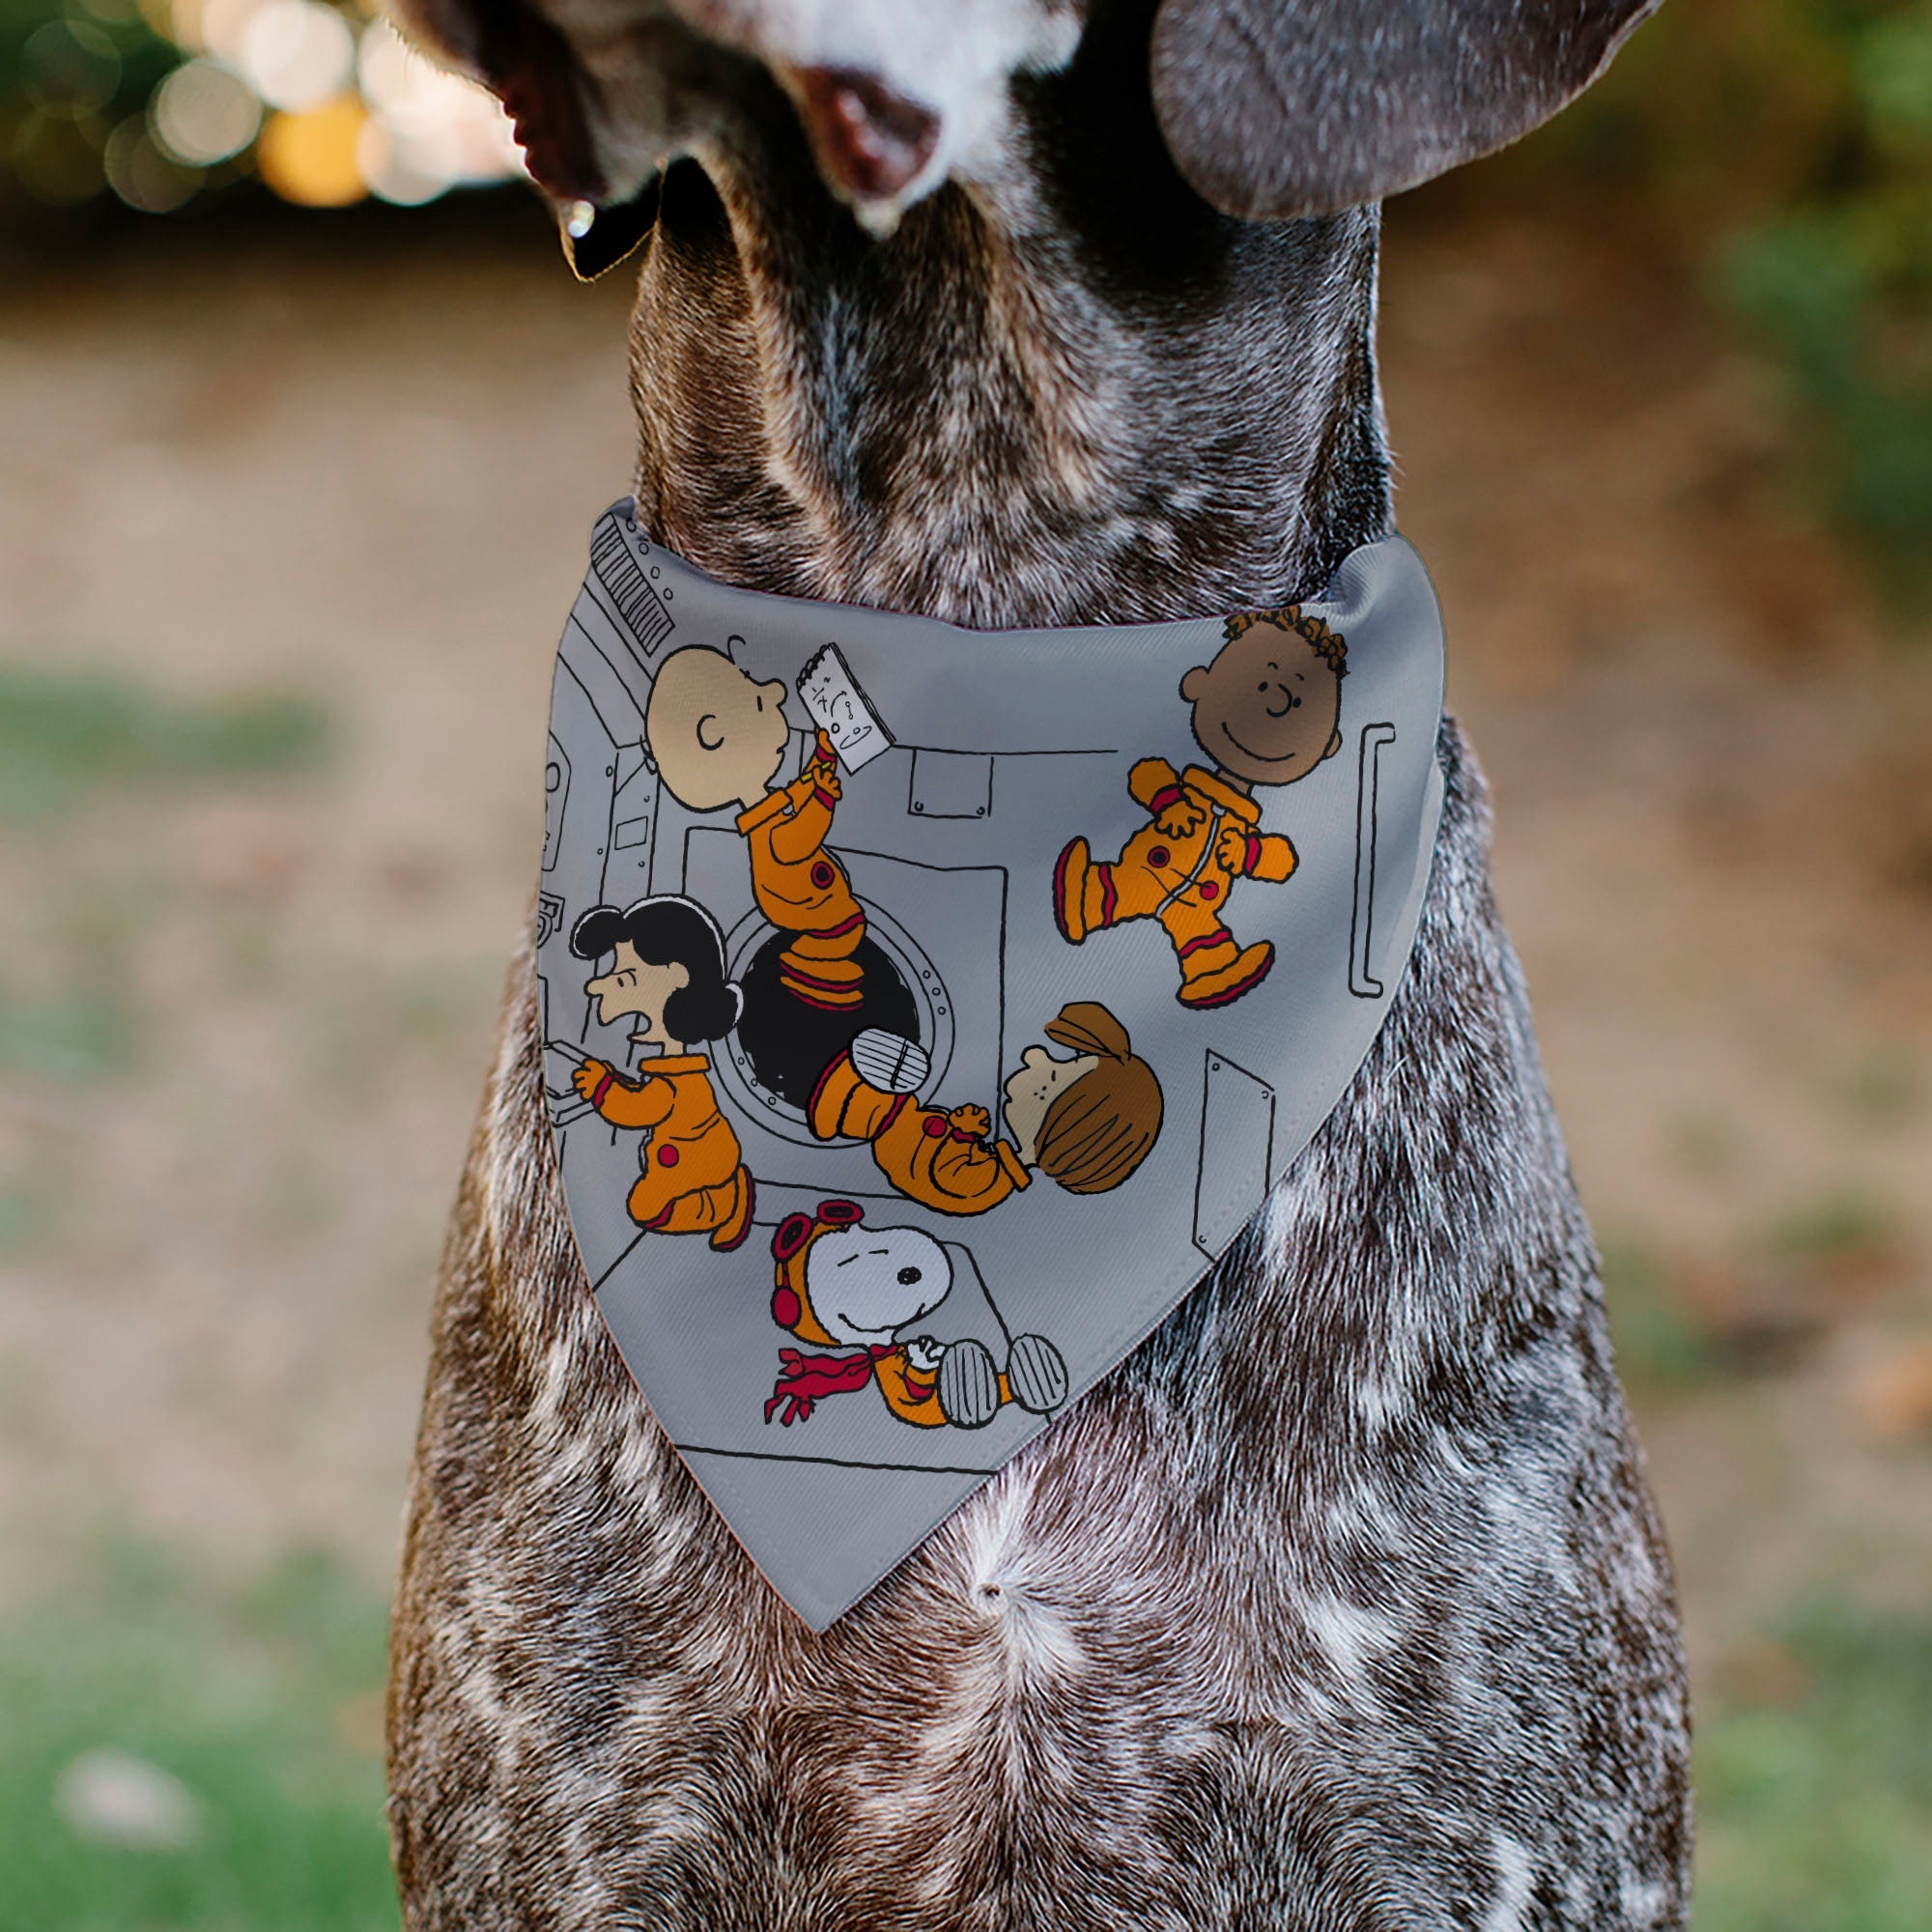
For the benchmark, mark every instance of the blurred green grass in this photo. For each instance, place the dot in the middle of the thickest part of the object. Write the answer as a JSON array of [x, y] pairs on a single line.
[[75, 1037], [261, 1700], [71, 738], [1681, 1325], [1661, 1345], [1815, 1800], [66, 735]]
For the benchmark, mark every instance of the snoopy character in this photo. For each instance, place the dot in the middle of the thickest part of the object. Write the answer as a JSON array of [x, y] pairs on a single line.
[[843, 1285]]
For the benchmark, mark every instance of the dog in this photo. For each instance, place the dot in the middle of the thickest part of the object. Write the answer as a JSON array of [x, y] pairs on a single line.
[[1342, 1602]]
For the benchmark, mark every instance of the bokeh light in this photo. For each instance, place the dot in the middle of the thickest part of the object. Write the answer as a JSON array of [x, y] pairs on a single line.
[[203, 112], [72, 60], [312, 157], [159, 101], [296, 54], [56, 153], [142, 174]]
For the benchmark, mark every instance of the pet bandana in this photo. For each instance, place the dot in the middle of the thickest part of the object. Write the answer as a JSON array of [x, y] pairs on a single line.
[[926, 1009]]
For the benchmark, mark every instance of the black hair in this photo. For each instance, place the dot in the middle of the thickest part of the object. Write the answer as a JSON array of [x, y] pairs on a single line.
[[670, 930]]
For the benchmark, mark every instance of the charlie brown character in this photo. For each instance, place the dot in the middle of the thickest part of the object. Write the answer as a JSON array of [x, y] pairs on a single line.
[[1266, 712], [843, 1285], [718, 737], [1087, 1122], [668, 969]]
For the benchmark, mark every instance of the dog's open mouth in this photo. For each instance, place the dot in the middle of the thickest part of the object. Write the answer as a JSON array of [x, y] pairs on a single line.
[[870, 142], [875, 145], [526, 61], [597, 237]]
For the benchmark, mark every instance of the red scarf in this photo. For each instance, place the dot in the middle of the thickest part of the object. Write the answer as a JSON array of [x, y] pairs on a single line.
[[805, 1378]]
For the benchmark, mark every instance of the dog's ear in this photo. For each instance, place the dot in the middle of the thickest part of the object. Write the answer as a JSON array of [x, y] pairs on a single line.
[[1286, 107]]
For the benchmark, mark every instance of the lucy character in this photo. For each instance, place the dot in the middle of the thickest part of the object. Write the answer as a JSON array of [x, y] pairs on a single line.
[[843, 1285], [1266, 712], [718, 737], [666, 970], [1086, 1121]]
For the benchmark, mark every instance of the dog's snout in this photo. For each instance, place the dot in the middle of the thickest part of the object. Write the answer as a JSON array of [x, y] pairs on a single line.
[[870, 142]]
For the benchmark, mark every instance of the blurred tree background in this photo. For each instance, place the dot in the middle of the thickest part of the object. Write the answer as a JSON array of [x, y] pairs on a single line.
[[1799, 132], [1795, 133], [1661, 385], [159, 107]]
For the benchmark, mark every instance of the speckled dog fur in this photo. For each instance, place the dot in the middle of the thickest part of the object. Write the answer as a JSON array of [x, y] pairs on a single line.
[[1342, 1603]]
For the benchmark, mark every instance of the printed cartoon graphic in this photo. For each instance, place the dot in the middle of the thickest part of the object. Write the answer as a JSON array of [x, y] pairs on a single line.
[[843, 1285], [1266, 712], [841, 710], [1087, 1122], [668, 969], [1362, 983], [718, 737]]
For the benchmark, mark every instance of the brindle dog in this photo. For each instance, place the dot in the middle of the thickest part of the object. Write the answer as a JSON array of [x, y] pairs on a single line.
[[1342, 1603]]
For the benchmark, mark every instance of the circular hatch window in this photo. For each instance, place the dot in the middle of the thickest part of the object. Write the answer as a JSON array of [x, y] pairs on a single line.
[[782, 1045]]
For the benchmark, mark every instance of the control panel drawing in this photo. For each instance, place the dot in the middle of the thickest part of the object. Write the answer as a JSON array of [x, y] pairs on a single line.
[[1362, 983], [1236, 1164]]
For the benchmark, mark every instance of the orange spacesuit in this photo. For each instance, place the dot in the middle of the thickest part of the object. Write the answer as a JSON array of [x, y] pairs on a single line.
[[803, 889], [939, 1160], [1179, 868], [694, 1180]]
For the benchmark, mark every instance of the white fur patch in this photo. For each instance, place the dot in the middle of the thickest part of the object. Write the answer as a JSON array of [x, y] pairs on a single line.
[[1349, 1636], [1514, 1876]]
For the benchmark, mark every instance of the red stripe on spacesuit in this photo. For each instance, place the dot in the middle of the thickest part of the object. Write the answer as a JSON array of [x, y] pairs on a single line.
[[831, 1066], [1220, 936], [822, 1003], [1234, 992], [1106, 873], [837, 931], [789, 974], [828, 996]]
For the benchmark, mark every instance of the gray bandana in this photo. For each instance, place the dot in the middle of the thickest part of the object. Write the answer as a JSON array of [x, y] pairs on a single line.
[[925, 1010]]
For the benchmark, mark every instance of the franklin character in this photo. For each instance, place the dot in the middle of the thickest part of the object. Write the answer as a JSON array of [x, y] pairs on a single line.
[[1266, 712]]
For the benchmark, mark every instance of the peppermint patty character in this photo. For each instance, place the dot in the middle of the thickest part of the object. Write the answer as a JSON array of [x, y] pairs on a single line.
[[1086, 1122], [1266, 712]]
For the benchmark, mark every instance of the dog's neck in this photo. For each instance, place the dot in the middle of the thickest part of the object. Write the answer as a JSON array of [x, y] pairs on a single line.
[[1073, 395]]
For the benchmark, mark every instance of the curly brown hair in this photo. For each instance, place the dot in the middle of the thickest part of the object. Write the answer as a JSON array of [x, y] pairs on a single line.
[[1329, 646]]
